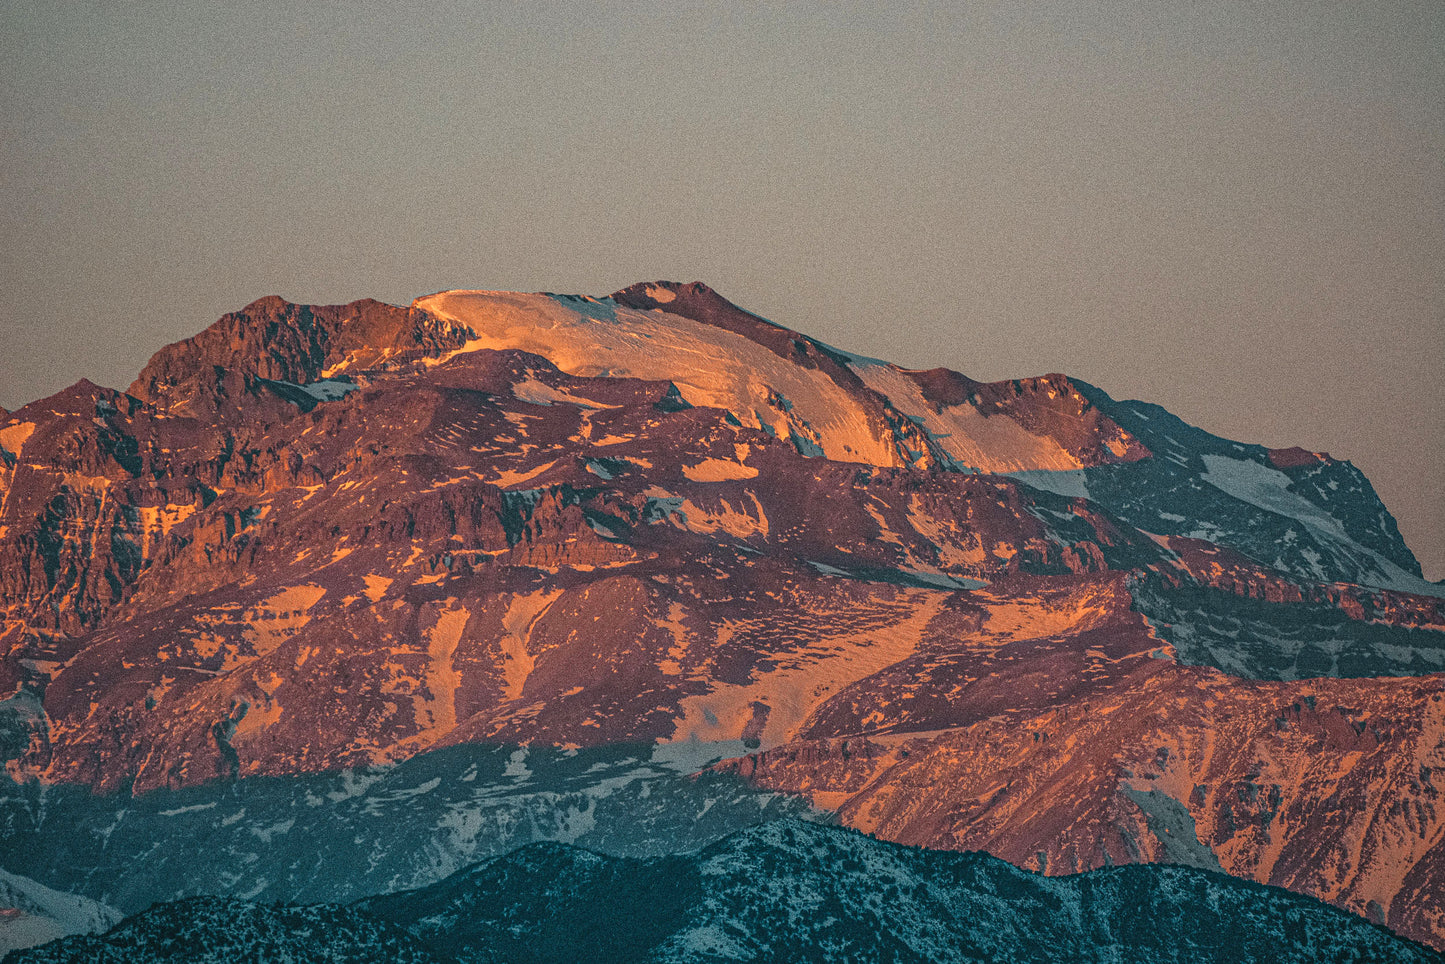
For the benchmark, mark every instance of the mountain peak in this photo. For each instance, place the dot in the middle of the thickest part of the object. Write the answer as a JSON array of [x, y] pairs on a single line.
[[1295, 457], [277, 340], [79, 398], [664, 292], [266, 303], [699, 302]]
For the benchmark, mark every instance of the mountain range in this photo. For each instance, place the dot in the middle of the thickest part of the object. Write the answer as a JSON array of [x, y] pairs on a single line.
[[335, 601]]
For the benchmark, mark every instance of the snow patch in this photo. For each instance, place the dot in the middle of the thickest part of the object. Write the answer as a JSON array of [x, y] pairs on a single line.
[[279, 617], [45, 914], [326, 390], [507, 478], [12, 437], [376, 586], [718, 470], [943, 580], [828, 570], [517, 765], [180, 810], [1173, 826], [435, 709], [540, 393], [1070, 483], [739, 520], [522, 616]]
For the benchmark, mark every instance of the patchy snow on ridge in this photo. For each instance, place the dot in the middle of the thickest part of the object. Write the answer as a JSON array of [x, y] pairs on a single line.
[[1268, 489], [775, 702], [994, 444]]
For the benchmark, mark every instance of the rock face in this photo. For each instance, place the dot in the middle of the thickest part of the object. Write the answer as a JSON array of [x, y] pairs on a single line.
[[273, 341], [1110, 756], [785, 892], [1017, 616]]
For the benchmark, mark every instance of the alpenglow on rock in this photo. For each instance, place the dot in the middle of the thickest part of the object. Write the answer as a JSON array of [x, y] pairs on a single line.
[[498, 567]]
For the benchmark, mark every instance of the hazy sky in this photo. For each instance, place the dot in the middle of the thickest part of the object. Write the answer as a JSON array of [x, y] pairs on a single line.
[[1234, 209]]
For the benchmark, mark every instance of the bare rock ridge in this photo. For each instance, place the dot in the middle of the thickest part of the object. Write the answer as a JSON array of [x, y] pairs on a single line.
[[272, 340], [319, 541]]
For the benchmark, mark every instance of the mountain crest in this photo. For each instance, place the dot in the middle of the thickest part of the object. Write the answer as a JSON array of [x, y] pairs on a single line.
[[274, 340]]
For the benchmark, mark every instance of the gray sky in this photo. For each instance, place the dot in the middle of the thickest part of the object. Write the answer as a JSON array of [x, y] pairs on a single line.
[[1236, 210]]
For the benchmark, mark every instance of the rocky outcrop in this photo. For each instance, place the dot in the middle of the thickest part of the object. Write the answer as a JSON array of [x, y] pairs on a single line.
[[272, 340]]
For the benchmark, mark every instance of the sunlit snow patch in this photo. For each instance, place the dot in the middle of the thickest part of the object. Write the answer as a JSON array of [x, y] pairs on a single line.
[[540, 393], [719, 470]]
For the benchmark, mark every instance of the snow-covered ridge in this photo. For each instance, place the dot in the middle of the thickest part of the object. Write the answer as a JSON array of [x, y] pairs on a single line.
[[971, 439], [1268, 489], [715, 367], [710, 366]]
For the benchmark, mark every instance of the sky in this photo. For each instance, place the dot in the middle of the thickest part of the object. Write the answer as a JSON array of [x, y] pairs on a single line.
[[1232, 209]]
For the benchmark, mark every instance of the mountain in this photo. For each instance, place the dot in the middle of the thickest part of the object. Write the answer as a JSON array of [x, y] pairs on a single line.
[[334, 553], [788, 891]]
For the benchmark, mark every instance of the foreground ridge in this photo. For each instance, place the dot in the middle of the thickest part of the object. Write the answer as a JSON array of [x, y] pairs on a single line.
[[788, 891]]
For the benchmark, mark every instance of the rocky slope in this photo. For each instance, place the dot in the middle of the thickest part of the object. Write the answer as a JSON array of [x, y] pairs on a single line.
[[337, 837], [1326, 787], [320, 540], [785, 892]]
